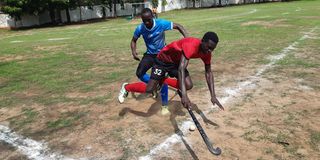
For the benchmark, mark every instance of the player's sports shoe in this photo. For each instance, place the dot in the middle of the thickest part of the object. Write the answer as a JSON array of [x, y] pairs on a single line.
[[164, 110], [123, 93]]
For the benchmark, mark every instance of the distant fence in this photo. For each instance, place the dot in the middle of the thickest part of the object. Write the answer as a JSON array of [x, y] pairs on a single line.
[[95, 12]]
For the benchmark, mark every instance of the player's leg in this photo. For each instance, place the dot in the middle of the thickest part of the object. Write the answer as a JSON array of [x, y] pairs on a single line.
[[145, 64], [188, 81], [138, 87], [157, 76]]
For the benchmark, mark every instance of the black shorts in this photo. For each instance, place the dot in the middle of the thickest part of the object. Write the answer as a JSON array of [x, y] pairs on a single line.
[[145, 64], [161, 69]]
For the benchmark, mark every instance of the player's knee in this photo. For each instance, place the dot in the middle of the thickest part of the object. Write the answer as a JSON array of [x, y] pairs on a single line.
[[139, 75], [189, 86]]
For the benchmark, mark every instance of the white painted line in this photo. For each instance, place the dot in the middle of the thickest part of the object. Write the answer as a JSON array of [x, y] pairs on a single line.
[[235, 92], [58, 39], [32, 149], [16, 41]]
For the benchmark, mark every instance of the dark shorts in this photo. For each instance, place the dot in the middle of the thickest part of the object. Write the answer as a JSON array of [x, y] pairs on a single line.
[[160, 70], [145, 64]]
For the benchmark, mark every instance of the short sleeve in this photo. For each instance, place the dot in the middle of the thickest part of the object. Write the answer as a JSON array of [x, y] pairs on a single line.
[[187, 49], [166, 25], [137, 32]]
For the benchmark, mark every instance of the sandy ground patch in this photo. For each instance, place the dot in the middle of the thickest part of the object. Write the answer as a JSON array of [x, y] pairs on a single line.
[[268, 24]]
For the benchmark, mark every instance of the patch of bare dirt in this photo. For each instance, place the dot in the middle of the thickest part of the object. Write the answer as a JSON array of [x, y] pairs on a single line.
[[9, 58], [8, 152], [49, 48], [135, 21], [310, 17], [21, 58], [267, 24]]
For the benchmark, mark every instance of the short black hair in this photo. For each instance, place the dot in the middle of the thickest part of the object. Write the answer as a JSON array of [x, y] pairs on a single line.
[[146, 10], [211, 36]]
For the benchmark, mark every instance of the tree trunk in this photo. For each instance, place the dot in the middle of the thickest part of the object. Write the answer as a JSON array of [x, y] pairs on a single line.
[[80, 13], [114, 8], [52, 16], [59, 16], [68, 15], [103, 12]]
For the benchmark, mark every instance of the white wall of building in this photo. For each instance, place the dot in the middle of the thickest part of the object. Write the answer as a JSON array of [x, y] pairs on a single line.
[[97, 12], [4, 18]]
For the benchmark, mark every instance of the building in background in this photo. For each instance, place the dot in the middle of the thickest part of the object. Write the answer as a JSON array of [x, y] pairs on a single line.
[[85, 13]]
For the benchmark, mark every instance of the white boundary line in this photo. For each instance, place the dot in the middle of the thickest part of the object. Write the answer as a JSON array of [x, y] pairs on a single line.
[[58, 39], [250, 83], [31, 148]]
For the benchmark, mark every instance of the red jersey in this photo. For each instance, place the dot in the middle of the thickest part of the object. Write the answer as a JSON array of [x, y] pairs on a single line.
[[189, 46]]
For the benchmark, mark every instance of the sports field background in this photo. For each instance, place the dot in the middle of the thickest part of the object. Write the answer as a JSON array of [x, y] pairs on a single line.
[[54, 81]]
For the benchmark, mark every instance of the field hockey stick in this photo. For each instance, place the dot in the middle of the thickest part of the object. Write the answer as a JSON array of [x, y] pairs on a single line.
[[215, 151]]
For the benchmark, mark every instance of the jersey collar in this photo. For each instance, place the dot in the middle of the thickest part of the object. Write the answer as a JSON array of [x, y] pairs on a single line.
[[154, 24]]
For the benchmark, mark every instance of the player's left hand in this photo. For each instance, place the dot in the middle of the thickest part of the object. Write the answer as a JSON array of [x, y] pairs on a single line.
[[214, 100], [136, 58]]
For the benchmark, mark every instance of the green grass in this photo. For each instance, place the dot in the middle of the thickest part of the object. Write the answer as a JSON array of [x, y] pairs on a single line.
[[28, 116], [315, 140], [292, 61]]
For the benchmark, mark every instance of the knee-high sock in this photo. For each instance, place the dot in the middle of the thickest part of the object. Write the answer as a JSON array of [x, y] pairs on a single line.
[[138, 87], [172, 82], [164, 94], [145, 78]]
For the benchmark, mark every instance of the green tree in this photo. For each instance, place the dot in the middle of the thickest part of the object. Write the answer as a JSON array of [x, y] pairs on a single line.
[[16, 8]]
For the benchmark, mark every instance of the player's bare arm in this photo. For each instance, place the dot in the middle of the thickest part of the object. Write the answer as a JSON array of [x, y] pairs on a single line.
[[181, 29], [134, 48], [210, 81], [182, 81]]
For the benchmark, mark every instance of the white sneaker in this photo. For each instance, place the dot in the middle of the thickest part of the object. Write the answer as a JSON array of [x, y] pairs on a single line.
[[164, 110], [123, 93]]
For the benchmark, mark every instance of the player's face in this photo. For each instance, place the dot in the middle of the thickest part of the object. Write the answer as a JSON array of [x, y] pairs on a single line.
[[147, 20], [208, 47]]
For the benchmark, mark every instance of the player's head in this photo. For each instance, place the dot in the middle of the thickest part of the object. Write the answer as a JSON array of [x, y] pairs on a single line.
[[209, 42], [147, 17]]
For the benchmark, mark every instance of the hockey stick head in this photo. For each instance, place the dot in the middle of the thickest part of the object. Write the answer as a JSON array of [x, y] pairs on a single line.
[[215, 151]]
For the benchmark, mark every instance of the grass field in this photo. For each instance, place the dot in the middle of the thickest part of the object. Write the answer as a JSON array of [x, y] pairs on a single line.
[[60, 85]]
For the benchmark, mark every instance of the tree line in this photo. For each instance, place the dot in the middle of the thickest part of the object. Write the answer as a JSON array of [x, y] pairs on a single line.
[[17, 8]]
